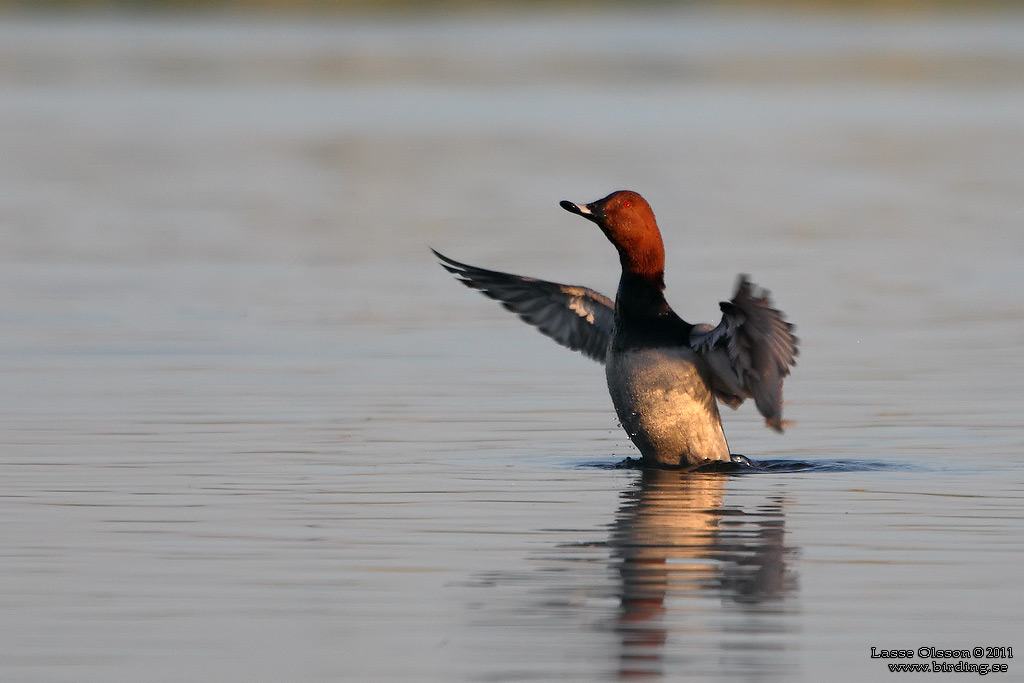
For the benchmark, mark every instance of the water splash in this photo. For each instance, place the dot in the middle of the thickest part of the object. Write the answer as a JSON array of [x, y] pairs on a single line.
[[743, 465]]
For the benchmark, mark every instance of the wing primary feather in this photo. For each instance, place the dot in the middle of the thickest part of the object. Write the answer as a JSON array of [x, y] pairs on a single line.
[[576, 317], [753, 346]]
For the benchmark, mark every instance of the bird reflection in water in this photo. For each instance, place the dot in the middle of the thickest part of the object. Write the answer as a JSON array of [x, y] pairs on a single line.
[[672, 539]]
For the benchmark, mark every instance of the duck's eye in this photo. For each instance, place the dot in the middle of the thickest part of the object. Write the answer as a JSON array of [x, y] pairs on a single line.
[[626, 204]]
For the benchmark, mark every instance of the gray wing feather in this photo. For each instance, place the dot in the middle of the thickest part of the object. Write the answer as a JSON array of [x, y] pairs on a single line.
[[750, 352], [576, 317]]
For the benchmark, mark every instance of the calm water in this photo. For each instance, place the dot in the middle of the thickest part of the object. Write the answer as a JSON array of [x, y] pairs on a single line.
[[251, 432]]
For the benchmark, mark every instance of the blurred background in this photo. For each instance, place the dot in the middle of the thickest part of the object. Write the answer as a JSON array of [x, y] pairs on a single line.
[[251, 431]]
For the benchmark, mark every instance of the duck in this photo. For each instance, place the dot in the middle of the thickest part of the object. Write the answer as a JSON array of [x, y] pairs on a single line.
[[665, 376]]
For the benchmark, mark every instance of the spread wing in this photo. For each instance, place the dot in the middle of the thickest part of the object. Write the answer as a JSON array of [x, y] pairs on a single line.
[[749, 352], [576, 317]]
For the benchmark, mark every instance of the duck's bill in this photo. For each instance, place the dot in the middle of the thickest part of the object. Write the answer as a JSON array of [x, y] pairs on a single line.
[[578, 209]]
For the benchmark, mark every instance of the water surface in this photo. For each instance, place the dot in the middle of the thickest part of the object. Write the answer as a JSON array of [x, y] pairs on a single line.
[[251, 432]]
